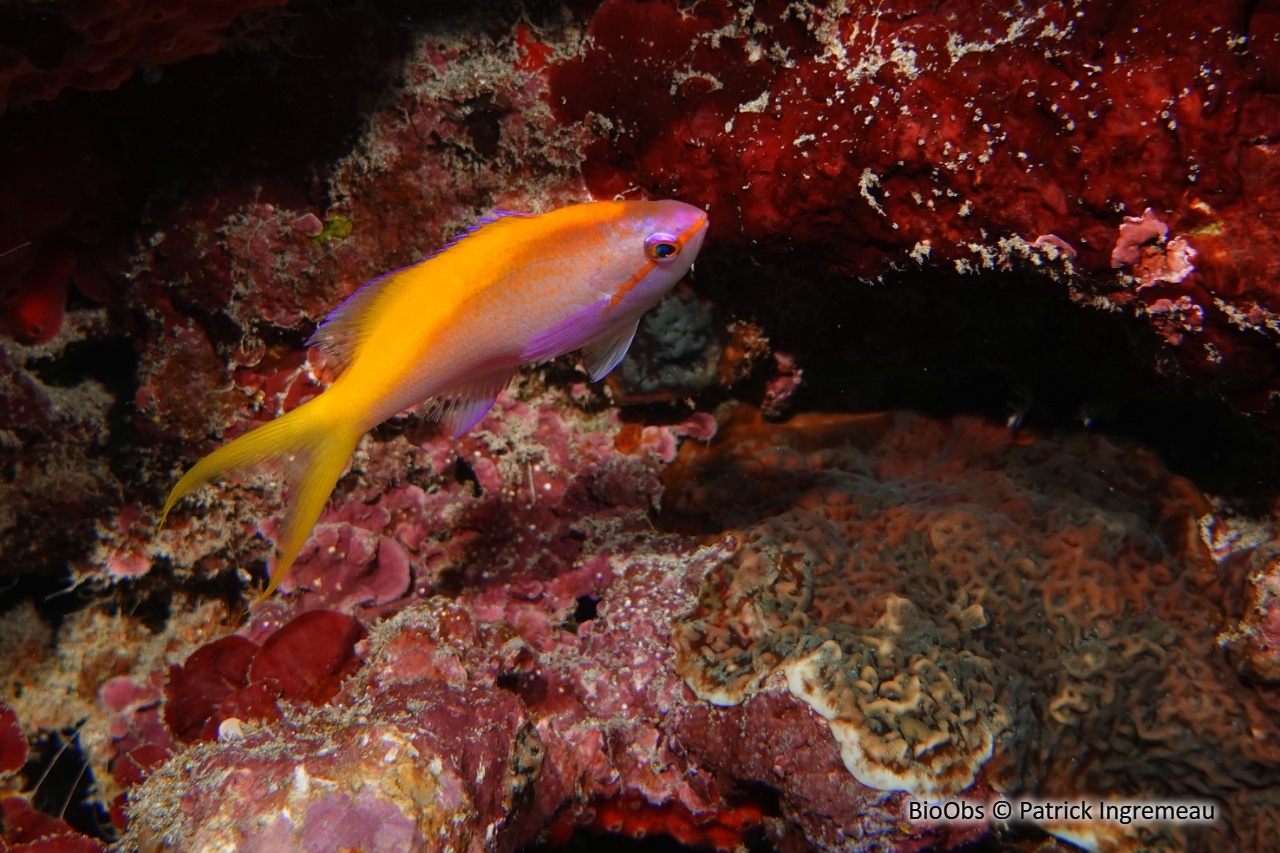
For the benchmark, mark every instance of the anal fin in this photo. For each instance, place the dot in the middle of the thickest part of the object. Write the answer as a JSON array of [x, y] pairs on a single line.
[[461, 407]]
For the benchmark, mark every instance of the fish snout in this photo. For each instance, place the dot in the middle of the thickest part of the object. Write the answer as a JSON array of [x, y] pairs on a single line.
[[689, 225]]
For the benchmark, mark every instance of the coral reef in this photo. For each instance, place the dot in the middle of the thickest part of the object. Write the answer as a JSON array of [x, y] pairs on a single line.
[[501, 638], [964, 613], [641, 607], [424, 752], [980, 134], [558, 500], [958, 606]]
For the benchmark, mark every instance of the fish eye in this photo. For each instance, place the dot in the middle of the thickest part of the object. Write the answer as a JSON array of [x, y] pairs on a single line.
[[661, 247]]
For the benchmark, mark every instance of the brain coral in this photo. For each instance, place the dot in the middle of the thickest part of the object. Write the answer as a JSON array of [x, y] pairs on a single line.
[[911, 709], [1039, 615], [925, 707]]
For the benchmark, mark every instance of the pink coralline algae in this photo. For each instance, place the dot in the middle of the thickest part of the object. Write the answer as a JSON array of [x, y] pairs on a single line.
[[1176, 320], [26, 830], [873, 137], [470, 732], [305, 660], [504, 707], [1151, 259]]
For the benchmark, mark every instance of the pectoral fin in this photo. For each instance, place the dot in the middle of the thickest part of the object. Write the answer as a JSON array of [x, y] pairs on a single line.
[[603, 355], [571, 333]]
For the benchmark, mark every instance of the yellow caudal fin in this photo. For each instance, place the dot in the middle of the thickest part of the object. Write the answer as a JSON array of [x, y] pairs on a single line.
[[310, 449]]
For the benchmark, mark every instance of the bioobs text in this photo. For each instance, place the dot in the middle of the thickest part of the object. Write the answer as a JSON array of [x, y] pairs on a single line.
[[949, 811]]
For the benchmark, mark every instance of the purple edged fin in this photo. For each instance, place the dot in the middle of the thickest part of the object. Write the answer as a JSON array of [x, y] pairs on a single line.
[[573, 332], [482, 222], [341, 334], [461, 407], [603, 355]]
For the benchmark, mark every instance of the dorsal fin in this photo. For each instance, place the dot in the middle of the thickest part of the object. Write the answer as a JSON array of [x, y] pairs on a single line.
[[341, 334], [346, 327]]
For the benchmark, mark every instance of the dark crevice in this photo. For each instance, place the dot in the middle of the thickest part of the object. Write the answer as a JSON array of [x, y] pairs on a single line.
[[1011, 347], [112, 362], [463, 474], [63, 784], [36, 31], [149, 598], [584, 612], [53, 593]]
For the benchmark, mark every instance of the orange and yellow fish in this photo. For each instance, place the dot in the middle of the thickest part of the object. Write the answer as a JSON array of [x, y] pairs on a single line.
[[447, 334]]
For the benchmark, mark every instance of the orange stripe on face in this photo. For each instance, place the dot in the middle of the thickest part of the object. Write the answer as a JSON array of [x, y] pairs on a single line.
[[631, 282], [649, 267]]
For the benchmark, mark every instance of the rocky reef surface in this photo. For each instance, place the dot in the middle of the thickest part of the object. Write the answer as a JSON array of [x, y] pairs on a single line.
[[950, 473]]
